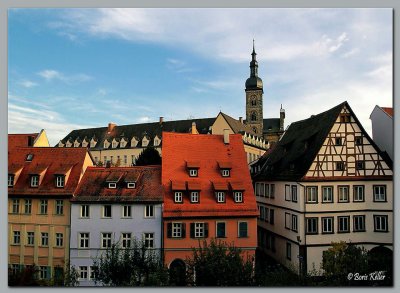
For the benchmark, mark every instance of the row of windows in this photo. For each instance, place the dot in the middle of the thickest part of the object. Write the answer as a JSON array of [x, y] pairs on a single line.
[[44, 238], [291, 193], [264, 190], [34, 180], [266, 214], [341, 166], [358, 140], [343, 224], [194, 172], [200, 230], [106, 240], [219, 195], [42, 208], [86, 273], [343, 193], [126, 211], [44, 272], [118, 159]]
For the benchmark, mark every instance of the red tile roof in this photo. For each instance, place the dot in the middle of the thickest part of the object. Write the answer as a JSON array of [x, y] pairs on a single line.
[[208, 150], [388, 110], [225, 165], [49, 161], [94, 184], [20, 140]]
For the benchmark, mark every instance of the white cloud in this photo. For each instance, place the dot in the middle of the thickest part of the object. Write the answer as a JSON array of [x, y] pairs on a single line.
[[144, 119], [27, 83], [50, 74]]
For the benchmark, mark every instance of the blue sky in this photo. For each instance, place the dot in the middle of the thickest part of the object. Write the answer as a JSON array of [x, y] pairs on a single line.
[[79, 68]]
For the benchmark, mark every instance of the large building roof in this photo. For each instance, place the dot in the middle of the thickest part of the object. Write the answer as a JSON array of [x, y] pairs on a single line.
[[271, 125], [236, 125], [46, 162], [290, 159], [150, 130], [388, 111], [209, 152], [94, 186], [21, 140]]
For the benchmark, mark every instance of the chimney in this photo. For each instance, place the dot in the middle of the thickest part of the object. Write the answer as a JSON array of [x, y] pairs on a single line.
[[111, 126], [241, 120], [194, 129], [226, 136], [161, 119], [281, 118]]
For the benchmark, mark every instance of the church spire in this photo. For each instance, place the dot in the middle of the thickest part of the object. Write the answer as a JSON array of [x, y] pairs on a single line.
[[253, 63]]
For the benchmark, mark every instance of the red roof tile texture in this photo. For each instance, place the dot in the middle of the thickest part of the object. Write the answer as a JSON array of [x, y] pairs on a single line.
[[21, 140], [47, 162], [209, 151], [388, 110], [94, 185]]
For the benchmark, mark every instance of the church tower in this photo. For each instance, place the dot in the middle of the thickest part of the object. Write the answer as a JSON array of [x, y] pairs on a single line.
[[254, 97]]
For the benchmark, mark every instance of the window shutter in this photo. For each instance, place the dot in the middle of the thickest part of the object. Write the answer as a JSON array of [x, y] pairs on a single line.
[[191, 230], [169, 230], [183, 230], [205, 230]]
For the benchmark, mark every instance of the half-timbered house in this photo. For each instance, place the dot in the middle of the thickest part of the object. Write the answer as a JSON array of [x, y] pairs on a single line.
[[325, 181]]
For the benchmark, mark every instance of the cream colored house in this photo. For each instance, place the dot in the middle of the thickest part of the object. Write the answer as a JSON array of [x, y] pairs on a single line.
[[124, 143], [325, 181]]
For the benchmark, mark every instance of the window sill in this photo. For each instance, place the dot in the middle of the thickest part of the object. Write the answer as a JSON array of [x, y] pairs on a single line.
[[381, 231], [343, 232]]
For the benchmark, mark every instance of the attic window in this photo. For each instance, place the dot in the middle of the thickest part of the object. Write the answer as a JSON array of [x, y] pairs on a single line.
[[339, 166], [114, 144], [359, 140], [344, 118], [112, 185], [193, 172], [225, 172], [29, 157], [10, 180], [60, 180], [34, 180], [131, 185], [338, 141], [92, 144]]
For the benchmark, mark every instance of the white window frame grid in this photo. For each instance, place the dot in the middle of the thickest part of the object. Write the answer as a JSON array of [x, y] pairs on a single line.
[[10, 180], [341, 221], [381, 223], [104, 209], [59, 239], [288, 196], [293, 189], [341, 192], [83, 270], [294, 222], [199, 229], [105, 238], [356, 190], [28, 206], [16, 237], [327, 222], [44, 239], [194, 196], [85, 211], [220, 196], [83, 238], [131, 185], [357, 223], [126, 211], [149, 211], [43, 272], [193, 172], [15, 206], [30, 238], [327, 194], [59, 203], [43, 204], [226, 173], [178, 196], [112, 185], [126, 239], [238, 196], [176, 230], [379, 194], [314, 221], [312, 191], [60, 181], [34, 180], [148, 239]]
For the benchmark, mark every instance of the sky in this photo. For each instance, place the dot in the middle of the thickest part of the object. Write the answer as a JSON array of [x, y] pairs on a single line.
[[81, 68]]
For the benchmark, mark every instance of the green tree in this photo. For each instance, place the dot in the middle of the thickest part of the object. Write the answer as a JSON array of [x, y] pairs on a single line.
[[218, 264], [71, 276], [149, 156], [134, 266]]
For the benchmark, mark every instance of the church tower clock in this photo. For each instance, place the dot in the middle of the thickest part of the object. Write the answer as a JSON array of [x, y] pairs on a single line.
[[254, 97]]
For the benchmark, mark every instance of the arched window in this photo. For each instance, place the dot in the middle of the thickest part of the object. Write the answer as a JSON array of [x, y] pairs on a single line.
[[254, 102], [255, 129], [253, 116]]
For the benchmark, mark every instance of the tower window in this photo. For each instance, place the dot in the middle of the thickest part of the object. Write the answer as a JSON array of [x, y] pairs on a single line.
[[253, 102], [253, 116]]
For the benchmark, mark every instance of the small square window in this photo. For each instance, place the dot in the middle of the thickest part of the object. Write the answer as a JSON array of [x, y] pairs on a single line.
[[338, 141], [339, 166], [193, 173], [194, 196], [178, 197], [34, 181], [358, 140], [238, 196], [225, 173], [220, 196], [131, 185], [112, 185]]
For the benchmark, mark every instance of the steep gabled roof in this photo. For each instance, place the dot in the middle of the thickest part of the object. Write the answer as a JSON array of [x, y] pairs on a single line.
[[150, 130], [236, 125], [21, 140], [290, 160], [94, 185]]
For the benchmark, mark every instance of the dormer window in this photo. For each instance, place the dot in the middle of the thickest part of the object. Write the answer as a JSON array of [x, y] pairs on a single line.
[[114, 144], [29, 157], [84, 143], [123, 143], [10, 180], [92, 144], [225, 172], [178, 196], [220, 196], [76, 144], [131, 185], [193, 172], [238, 196], [112, 185], [60, 180], [145, 142], [34, 180], [194, 196]]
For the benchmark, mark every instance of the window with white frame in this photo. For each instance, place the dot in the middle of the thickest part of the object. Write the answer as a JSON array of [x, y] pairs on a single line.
[[220, 196], [266, 190], [272, 191], [359, 223], [126, 240], [28, 206], [194, 196], [107, 211], [93, 270], [85, 211], [193, 172], [327, 225], [10, 181], [15, 206], [83, 272], [220, 229], [225, 172], [34, 180], [327, 194], [44, 272], [148, 240], [112, 185], [59, 207], [343, 224], [43, 206], [178, 197], [287, 221], [60, 180], [312, 225], [294, 223], [149, 211], [287, 193], [294, 193], [45, 239], [379, 192], [126, 211], [16, 237], [343, 193], [106, 240], [30, 238], [238, 196], [131, 185], [83, 240], [59, 239], [358, 194], [199, 230], [176, 230], [380, 223], [311, 194], [242, 229]]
